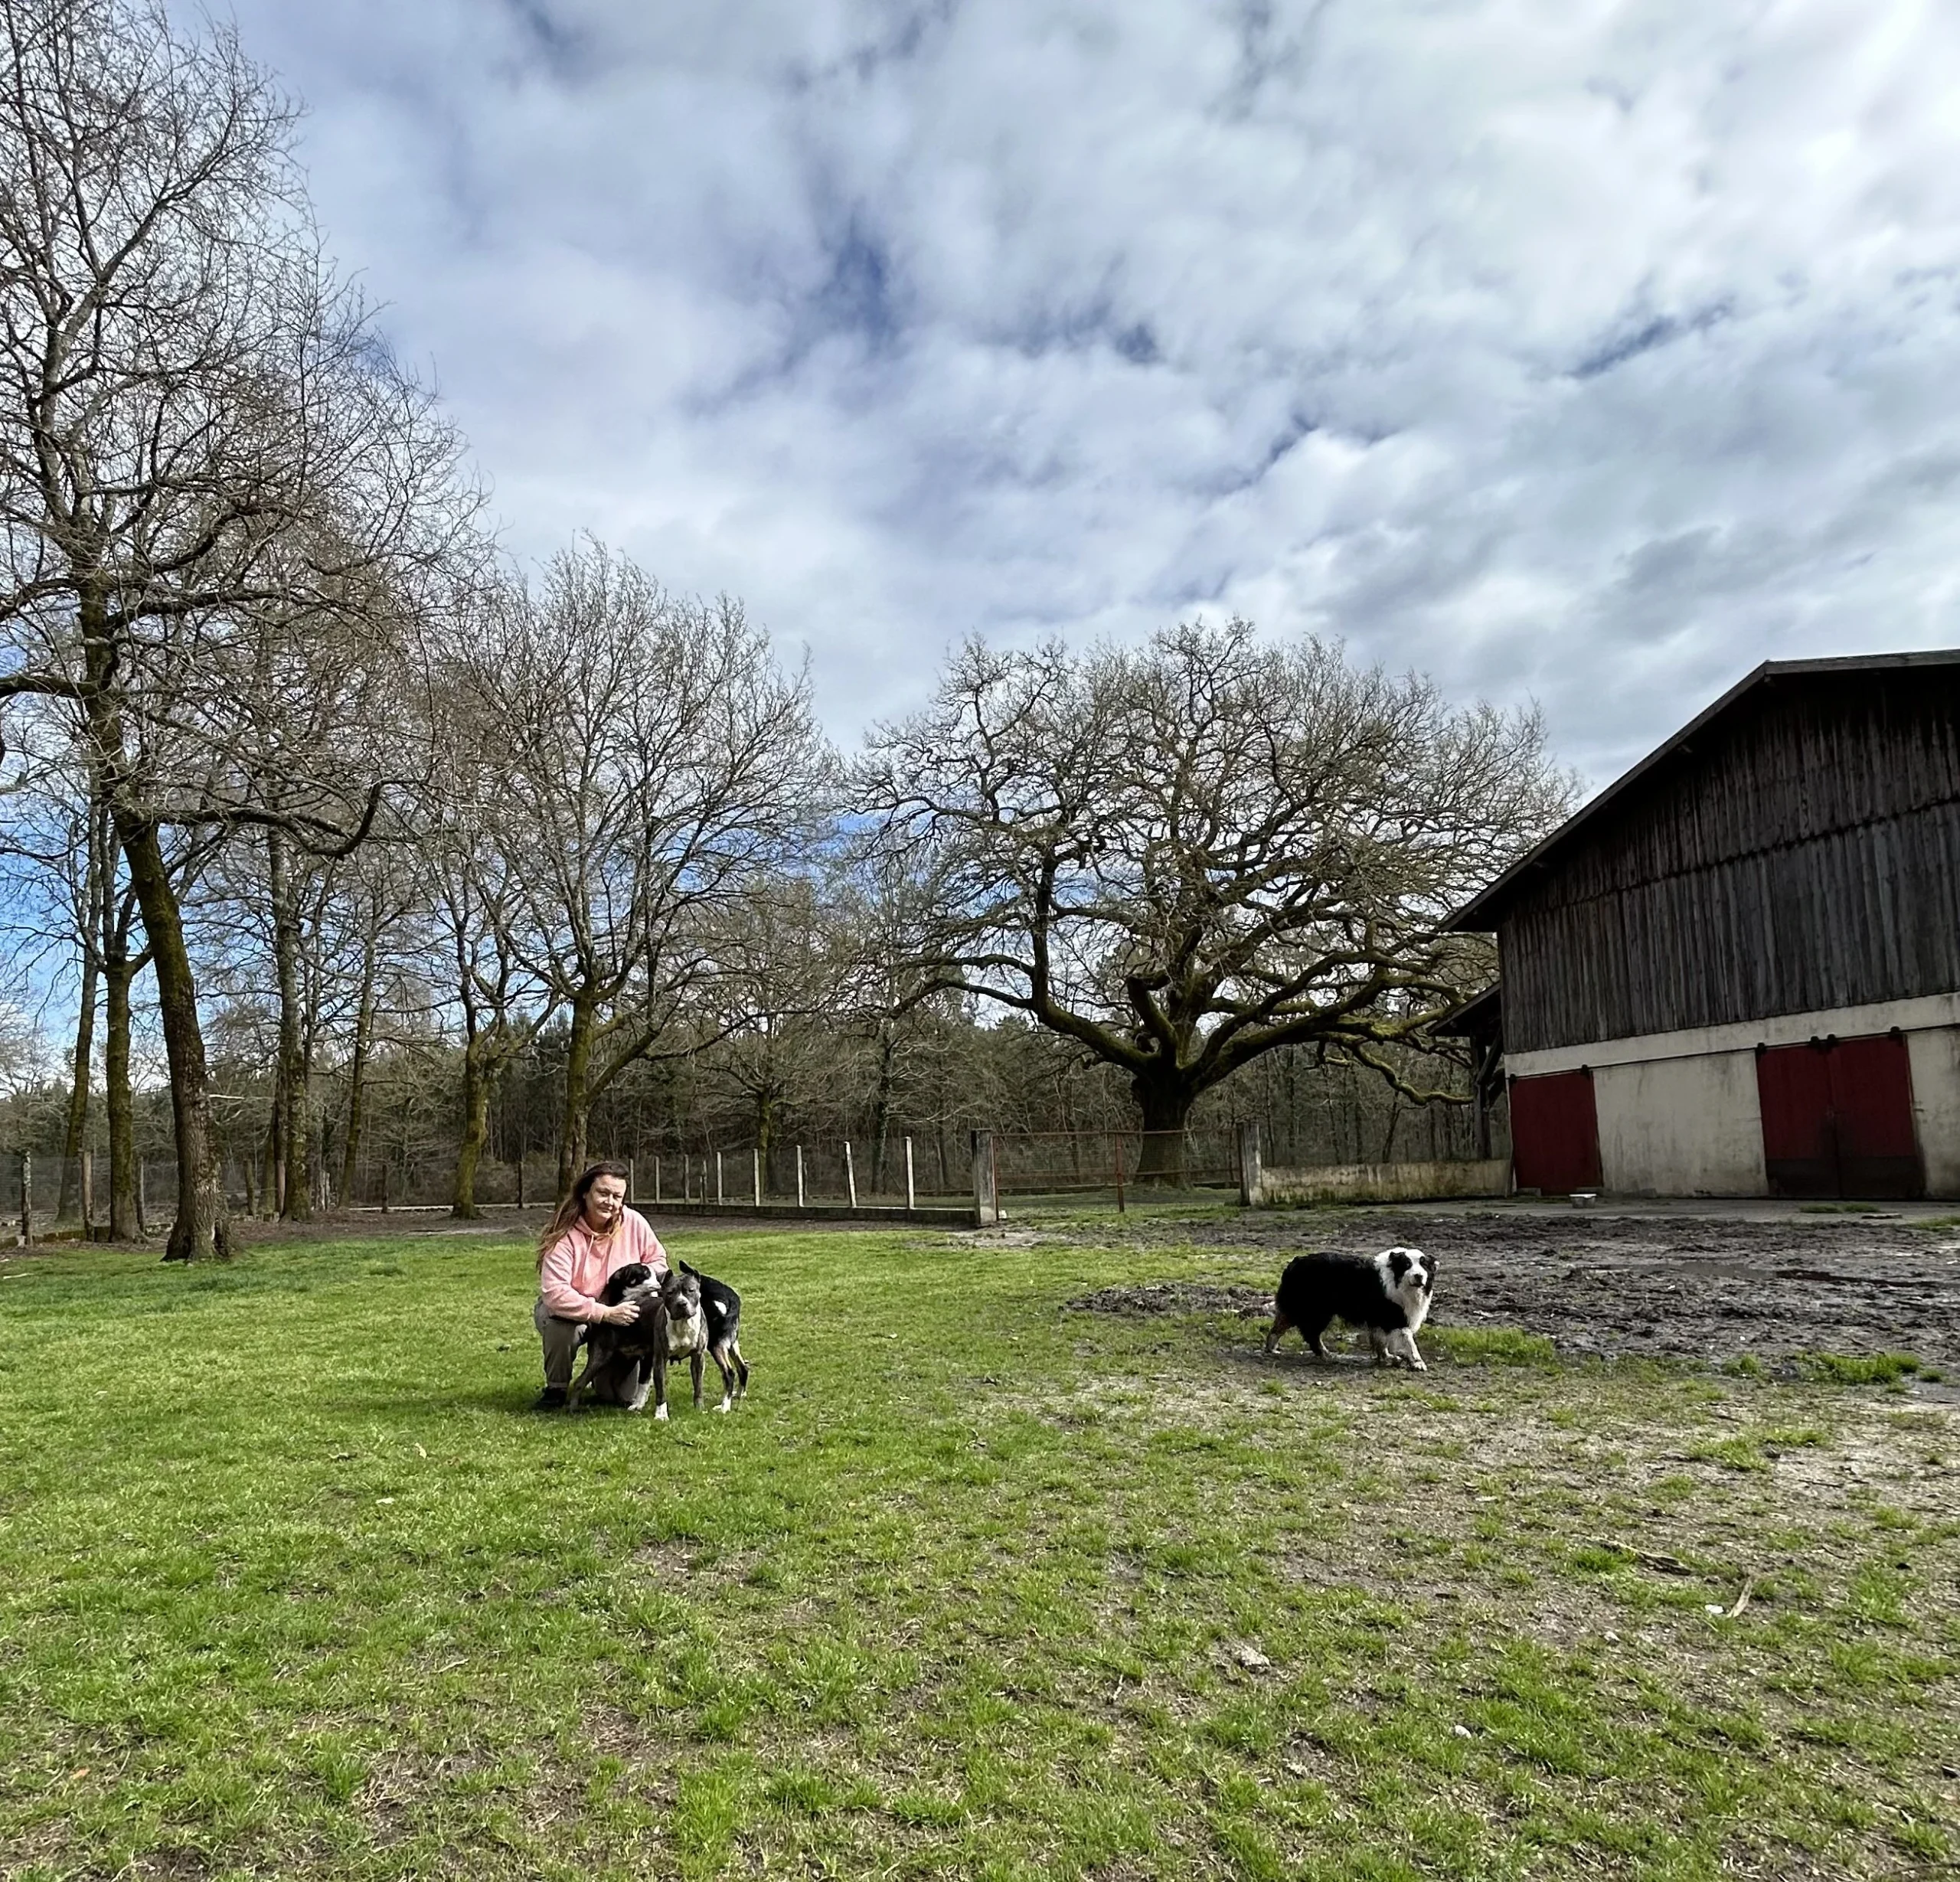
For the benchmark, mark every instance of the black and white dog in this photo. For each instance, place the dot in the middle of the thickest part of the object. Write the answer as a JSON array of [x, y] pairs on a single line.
[[721, 1310], [1386, 1295], [677, 1321]]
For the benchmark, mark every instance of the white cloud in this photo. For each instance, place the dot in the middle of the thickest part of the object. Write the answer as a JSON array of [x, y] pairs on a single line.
[[1596, 350]]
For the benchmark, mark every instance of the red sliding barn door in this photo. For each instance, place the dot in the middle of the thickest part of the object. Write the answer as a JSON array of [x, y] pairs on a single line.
[[1837, 1118], [1555, 1133]]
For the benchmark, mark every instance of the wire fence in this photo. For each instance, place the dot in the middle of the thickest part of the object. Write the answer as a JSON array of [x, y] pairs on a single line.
[[994, 1174], [53, 1197], [1116, 1169]]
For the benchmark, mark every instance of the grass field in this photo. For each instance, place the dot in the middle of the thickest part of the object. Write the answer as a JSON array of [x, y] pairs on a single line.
[[292, 1583]]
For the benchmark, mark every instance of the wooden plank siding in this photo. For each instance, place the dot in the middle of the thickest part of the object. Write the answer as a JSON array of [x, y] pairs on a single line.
[[1802, 853]]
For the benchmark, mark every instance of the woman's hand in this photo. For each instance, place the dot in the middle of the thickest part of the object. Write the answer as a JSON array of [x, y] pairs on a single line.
[[623, 1315]]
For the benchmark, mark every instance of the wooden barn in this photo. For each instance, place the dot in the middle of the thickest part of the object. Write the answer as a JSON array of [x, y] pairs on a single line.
[[1736, 971]]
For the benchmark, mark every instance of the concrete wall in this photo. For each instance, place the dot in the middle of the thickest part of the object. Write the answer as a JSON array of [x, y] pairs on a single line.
[[1385, 1182], [1682, 1127], [1935, 1059]]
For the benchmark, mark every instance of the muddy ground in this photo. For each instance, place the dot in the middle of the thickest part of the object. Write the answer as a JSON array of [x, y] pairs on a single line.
[[1707, 1289]]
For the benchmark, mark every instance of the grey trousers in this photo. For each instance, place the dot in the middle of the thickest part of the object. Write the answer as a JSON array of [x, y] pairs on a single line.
[[562, 1339]]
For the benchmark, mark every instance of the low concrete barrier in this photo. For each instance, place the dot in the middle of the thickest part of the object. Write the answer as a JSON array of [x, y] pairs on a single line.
[[1384, 1182]]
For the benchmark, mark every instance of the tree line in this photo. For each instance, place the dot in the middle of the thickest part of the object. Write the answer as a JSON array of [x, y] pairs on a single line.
[[295, 760]]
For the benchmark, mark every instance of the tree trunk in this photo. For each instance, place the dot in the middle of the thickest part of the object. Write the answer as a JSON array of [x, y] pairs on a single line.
[[765, 1104], [475, 1123], [272, 1159], [118, 971], [295, 1201], [881, 1114], [1388, 1135], [75, 1139], [1166, 1108], [574, 1126], [357, 1073], [200, 1231]]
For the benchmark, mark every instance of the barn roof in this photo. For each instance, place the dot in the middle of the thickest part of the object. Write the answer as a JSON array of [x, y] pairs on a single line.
[[1484, 912]]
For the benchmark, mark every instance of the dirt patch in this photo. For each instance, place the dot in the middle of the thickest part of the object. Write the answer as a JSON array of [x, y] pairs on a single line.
[[1707, 1288], [1177, 1297]]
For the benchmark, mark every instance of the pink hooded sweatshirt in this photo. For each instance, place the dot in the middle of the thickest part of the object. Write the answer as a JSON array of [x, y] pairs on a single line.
[[576, 1266]]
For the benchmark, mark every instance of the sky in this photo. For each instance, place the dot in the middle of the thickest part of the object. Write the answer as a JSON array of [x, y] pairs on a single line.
[[1569, 351]]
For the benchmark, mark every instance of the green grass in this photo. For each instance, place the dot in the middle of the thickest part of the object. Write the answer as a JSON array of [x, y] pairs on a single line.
[[1863, 1368], [291, 1584]]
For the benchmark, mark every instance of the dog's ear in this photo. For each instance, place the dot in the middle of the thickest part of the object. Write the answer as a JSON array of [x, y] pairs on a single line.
[[685, 1270], [1399, 1263]]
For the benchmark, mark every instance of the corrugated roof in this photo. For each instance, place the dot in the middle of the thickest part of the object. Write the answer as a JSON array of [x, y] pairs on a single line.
[[1482, 913]]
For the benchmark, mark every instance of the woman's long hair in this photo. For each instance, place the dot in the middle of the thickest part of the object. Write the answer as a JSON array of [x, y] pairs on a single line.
[[573, 1206]]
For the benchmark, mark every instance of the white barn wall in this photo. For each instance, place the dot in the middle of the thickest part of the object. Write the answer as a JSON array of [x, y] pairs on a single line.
[[1935, 1059], [1681, 1126]]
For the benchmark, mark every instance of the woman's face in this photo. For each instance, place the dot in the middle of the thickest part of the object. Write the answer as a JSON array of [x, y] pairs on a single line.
[[604, 1201]]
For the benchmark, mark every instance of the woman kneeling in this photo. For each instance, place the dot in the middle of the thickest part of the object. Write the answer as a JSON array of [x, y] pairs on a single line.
[[593, 1234]]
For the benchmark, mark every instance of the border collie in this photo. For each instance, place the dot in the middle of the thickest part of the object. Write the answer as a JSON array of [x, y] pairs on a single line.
[[1386, 1295], [721, 1307]]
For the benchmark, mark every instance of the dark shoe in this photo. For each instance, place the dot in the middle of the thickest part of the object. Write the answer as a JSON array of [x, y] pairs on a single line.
[[551, 1399]]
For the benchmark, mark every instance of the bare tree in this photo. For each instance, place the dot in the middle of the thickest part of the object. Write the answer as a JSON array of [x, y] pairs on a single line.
[[383, 898], [217, 491], [477, 915], [780, 1012], [655, 768], [1185, 855], [59, 824]]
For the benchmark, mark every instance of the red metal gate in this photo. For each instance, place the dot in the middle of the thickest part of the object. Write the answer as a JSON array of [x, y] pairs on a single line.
[[1555, 1133], [1837, 1118]]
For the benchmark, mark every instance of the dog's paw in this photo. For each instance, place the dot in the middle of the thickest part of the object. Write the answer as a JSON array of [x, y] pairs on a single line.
[[722, 1407], [660, 1412]]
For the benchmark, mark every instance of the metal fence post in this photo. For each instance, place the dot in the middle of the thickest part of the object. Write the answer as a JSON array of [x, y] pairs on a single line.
[[88, 1192], [756, 1161], [850, 1174], [633, 1178], [800, 1202], [911, 1186], [717, 1177], [27, 1201]]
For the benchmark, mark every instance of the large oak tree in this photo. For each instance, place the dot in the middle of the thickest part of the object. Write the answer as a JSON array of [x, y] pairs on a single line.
[[1182, 855]]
